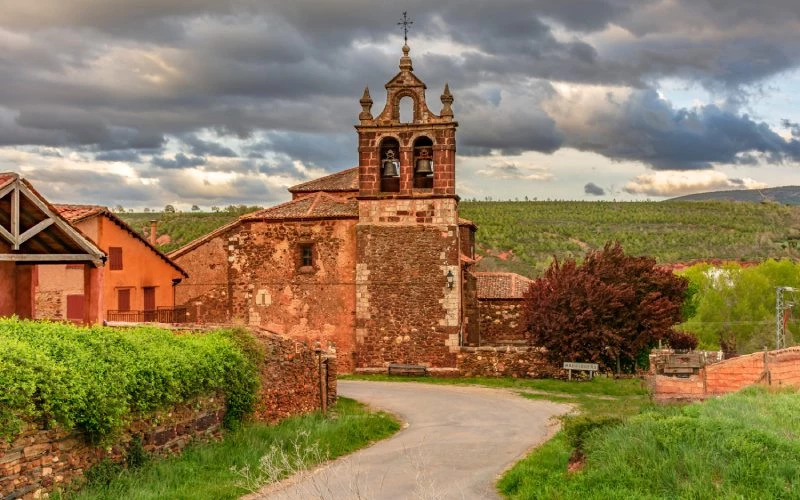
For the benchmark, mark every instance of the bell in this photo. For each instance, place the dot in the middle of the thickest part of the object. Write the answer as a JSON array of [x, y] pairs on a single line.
[[424, 166], [390, 168]]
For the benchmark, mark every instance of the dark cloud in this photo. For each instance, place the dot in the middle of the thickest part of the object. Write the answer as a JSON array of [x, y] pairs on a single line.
[[179, 161], [122, 156], [593, 189], [200, 147]]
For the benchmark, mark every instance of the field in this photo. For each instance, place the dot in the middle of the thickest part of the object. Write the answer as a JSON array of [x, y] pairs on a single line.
[[523, 236]]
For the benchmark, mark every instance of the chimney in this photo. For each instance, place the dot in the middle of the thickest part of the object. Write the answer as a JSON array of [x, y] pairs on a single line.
[[152, 238]]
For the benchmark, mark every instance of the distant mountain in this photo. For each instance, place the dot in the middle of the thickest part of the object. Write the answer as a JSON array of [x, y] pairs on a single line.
[[787, 195]]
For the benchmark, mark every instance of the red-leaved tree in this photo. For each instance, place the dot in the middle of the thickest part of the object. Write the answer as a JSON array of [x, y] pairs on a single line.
[[609, 310]]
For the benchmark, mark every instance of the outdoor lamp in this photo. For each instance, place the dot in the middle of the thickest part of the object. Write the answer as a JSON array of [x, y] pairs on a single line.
[[450, 279]]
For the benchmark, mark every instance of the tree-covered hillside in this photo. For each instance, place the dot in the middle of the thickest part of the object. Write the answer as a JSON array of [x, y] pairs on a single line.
[[523, 236]]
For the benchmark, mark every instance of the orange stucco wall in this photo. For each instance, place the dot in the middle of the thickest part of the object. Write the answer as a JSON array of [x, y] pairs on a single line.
[[141, 268]]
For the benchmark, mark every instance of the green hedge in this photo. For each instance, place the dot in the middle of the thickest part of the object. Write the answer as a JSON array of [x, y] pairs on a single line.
[[96, 379]]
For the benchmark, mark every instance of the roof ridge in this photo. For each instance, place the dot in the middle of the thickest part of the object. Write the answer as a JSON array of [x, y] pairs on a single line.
[[313, 204]]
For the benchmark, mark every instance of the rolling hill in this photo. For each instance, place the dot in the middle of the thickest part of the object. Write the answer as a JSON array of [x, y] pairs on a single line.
[[788, 195], [524, 236]]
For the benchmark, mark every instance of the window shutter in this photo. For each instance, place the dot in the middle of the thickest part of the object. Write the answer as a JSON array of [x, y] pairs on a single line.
[[115, 258]]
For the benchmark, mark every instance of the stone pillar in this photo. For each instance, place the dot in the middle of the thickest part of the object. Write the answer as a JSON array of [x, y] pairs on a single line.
[[25, 291], [406, 170], [8, 289], [93, 309]]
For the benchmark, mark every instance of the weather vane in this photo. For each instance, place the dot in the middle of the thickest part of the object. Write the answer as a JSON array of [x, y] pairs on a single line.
[[405, 23]]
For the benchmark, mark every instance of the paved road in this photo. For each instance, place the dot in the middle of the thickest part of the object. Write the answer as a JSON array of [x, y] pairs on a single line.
[[457, 442]]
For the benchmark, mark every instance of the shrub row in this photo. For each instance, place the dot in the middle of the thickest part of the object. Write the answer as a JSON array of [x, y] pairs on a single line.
[[96, 379]]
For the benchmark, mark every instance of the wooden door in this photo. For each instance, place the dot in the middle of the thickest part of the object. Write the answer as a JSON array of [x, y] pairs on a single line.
[[75, 308], [149, 303], [124, 299]]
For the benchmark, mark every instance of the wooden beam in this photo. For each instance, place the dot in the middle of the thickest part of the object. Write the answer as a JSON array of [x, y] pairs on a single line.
[[5, 234], [15, 216], [45, 257], [7, 189], [85, 244], [38, 228]]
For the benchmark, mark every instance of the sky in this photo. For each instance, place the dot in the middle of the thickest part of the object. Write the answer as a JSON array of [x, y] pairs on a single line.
[[211, 103]]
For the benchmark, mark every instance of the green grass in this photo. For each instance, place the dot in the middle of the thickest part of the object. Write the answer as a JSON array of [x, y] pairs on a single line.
[[204, 470], [743, 445]]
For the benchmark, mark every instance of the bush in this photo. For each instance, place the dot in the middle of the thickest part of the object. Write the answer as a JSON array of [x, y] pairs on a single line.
[[679, 340], [96, 379]]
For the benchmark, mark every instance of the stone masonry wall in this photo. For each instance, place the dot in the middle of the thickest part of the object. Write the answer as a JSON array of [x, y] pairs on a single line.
[[252, 276], [501, 321], [508, 361], [405, 312], [290, 378], [40, 460], [776, 368]]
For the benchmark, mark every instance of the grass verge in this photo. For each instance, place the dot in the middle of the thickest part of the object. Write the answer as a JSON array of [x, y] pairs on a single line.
[[742, 445], [210, 470]]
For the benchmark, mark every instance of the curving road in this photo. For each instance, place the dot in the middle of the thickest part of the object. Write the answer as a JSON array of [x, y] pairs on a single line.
[[457, 442]]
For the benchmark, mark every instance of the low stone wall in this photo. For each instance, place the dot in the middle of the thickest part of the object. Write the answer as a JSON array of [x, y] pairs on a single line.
[[290, 378], [504, 361], [500, 321], [776, 368], [39, 460], [294, 380]]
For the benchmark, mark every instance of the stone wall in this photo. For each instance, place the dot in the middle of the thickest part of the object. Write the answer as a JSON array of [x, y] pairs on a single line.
[[290, 378], [508, 361], [775, 368], [501, 321], [406, 313], [40, 460], [251, 275]]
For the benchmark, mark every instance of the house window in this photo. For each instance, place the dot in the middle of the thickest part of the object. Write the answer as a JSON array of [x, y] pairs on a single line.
[[124, 299], [306, 255], [115, 258]]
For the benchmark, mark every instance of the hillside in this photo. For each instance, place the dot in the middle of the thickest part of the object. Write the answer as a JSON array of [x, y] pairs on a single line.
[[788, 195], [523, 236]]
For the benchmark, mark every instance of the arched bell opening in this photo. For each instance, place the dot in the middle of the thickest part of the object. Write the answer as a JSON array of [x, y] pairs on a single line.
[[423, 163], [390, 165], [405, 110]]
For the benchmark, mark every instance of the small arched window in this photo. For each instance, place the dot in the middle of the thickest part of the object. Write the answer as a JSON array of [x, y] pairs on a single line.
[[390, 165], [423, 163], [406, 109]]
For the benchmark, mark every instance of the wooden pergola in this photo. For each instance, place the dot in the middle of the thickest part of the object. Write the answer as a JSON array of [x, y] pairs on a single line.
[[32, 232]]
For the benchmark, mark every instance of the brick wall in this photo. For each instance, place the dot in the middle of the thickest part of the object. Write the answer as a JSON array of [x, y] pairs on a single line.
[[775, 368], [251, 275], [39, 460], [501, 321]]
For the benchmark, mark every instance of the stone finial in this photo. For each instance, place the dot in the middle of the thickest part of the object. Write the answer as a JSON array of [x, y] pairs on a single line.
[[366, 106], [405, 61], [447, 100]]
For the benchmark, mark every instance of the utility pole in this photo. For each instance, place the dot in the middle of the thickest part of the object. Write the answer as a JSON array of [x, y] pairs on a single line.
[[781, 306]]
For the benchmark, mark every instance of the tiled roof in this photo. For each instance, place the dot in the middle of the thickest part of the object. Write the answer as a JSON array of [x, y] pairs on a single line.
[[6, 178], [318, 206], [501, 285], [78, 213], [466, 222], [346, 180]]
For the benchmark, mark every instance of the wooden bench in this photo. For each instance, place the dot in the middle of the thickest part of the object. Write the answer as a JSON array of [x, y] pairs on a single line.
[[400, 369]]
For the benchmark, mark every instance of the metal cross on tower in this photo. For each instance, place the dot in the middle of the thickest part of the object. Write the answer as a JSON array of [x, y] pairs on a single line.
[[405, 23]]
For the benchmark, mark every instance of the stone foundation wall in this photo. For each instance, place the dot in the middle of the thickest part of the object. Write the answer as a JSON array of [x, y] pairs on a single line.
[[40, 460], [501, 321], [507, 361], [776, 368]]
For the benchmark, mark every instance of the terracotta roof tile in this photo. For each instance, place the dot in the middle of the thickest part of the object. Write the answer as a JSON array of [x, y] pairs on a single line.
[[466, 222], [7, 178], [501, 285], [318, 206], [76, 213], [346, 180]]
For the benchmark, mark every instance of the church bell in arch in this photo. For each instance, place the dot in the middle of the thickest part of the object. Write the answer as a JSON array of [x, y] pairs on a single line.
[[424, 163], [390, 165]]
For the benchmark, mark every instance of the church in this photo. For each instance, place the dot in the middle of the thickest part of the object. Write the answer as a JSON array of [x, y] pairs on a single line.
[[373, 262]]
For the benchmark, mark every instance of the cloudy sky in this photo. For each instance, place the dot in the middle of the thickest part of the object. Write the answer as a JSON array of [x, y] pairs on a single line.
[[213, 102]]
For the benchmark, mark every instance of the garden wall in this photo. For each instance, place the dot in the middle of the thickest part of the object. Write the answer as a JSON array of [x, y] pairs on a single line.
[[294, 380], [500, 321], [39, 460], [776, 368], [504, 361]]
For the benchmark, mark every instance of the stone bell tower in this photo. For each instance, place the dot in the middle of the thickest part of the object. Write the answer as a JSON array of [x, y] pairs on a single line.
[[408, 274]]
